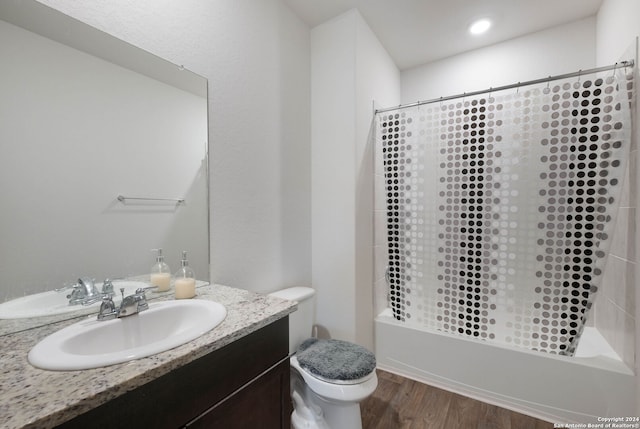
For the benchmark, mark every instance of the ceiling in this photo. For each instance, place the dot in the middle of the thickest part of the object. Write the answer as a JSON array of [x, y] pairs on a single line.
[[415, 32]]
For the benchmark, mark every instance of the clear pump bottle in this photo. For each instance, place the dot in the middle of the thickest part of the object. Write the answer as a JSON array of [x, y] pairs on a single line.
[[185, 279], [160, 274]]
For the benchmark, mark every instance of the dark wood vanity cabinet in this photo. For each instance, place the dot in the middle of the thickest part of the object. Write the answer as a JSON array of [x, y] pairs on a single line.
[[242, 385], [261, 405]]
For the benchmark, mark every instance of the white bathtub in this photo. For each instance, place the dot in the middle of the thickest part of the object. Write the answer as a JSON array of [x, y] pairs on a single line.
[[559, 389]]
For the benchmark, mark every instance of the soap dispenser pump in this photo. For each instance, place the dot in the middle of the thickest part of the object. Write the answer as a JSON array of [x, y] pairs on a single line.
[[160, 273], [185, 280]]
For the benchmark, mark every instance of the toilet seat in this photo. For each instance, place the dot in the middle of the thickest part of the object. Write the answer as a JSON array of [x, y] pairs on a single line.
[[336, 370], [334, 391], [336, 361], [340, 382]]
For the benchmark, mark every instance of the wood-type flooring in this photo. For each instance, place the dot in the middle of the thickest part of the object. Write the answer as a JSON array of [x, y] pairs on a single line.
[[401, 403]]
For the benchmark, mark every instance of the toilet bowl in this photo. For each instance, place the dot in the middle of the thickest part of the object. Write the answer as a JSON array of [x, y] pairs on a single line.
[[329, 378]]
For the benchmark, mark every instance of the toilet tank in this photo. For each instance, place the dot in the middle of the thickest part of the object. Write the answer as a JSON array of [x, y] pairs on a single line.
[[301, 321]]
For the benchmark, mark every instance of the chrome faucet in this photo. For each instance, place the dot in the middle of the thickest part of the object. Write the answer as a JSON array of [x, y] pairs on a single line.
[[84, 292], [131, 304]]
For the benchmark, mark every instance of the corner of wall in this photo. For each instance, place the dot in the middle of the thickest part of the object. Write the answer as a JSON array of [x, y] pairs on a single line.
[[332, 179], [617, 26], [350, 68]]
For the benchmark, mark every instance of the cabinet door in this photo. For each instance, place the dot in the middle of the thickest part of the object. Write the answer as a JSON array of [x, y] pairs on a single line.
[[264, 403]]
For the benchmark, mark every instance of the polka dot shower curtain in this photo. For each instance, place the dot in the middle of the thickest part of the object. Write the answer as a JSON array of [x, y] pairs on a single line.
[[500, 208]]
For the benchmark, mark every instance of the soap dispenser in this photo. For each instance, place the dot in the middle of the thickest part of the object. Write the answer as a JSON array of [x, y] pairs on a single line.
[[185, 282], [160, 273]]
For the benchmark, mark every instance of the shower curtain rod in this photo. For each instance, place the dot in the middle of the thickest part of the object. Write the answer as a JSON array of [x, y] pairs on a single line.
[[628, 63]]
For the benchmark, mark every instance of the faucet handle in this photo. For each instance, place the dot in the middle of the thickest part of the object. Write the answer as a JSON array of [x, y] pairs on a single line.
[[107, 308], [142, 298], [140, 292], [77, 292], [107, 287]]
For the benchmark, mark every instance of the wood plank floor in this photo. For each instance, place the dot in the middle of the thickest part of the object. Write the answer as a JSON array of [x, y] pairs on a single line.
[[400, 403]]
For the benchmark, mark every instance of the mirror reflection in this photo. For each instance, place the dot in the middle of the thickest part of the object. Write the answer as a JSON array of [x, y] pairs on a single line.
[[104, 153]]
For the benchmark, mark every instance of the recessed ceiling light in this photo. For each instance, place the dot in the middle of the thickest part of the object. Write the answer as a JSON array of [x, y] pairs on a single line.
[[480, 26]]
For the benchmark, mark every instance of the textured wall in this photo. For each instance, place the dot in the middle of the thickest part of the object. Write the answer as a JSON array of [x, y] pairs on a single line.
[[350, 70]]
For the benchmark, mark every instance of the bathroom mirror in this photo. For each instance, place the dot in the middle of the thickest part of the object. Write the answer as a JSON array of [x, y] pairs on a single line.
[[104, 157]]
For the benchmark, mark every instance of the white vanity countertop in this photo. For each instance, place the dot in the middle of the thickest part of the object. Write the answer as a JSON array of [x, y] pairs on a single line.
[[35, 398]]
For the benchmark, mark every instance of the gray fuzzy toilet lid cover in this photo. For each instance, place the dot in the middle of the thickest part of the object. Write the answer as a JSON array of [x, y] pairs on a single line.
[[335, 359]]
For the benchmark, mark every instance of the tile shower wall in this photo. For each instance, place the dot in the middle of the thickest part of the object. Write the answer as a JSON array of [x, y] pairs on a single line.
[[617, 26], [615, 308]]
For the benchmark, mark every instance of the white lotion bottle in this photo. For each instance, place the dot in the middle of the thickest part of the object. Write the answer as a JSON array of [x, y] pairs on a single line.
[[160, 274], [185, 280]]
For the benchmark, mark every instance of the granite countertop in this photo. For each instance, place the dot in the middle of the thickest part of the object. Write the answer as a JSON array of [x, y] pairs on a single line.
[[35, 398]]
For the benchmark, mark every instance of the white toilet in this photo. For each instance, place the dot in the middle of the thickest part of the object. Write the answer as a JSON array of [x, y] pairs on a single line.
[[329, 378]]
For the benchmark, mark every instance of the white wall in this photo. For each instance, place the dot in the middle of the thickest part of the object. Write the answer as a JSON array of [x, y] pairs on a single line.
[[333, 174], [256, 57], [554, 51], [617, 30], [378, 83], [617, 26], [350, 69]]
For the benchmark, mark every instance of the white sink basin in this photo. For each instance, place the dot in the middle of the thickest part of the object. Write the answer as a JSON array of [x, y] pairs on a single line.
[[93, 344], [52, 303]]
